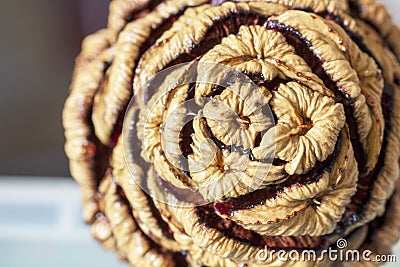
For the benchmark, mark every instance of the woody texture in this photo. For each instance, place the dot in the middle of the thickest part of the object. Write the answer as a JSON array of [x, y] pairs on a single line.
[[201, 132]]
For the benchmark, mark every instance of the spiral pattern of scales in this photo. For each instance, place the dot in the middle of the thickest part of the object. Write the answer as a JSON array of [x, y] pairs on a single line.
[[275, 128]]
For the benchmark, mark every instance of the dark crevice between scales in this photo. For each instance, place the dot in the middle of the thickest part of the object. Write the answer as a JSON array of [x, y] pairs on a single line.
[[234, 21]]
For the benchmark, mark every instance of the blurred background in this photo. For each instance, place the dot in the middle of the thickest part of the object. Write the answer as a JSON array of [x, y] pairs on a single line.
[[39, 41], [40, 217]]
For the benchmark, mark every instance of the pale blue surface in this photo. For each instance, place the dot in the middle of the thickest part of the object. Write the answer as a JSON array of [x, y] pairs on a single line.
[[41, 226], [55, 254]]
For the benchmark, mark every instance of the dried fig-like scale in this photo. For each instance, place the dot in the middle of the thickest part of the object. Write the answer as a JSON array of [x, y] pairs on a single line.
[[143, 210], [377, 16], [298, 203], [322, 165], [145, 214], [82, 146], [130, 240], [136, 37], [359, 79]]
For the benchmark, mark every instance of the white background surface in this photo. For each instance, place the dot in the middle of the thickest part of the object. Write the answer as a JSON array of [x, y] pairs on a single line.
[[393, 6], [41, 226]]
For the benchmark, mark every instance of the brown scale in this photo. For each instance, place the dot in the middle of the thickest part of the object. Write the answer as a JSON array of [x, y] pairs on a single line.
[[230, 24], [207, 214]]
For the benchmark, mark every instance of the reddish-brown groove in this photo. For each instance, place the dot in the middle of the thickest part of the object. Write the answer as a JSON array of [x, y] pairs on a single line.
[[216, 33]]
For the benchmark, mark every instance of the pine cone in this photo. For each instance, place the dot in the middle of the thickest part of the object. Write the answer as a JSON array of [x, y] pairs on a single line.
[[203, 132]]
